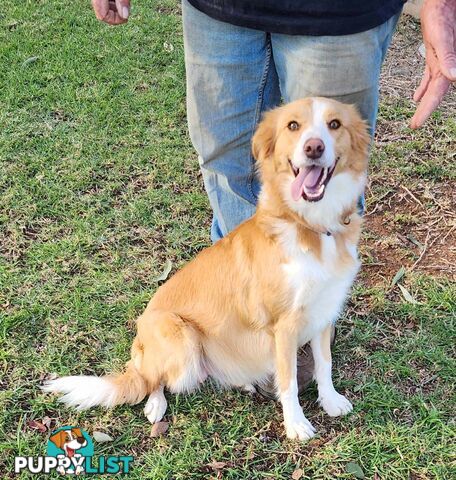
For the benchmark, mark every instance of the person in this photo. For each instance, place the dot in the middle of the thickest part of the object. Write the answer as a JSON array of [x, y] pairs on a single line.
[[244, 57]]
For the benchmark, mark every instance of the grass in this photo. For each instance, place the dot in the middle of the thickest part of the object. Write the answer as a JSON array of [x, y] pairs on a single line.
[[99, 188]]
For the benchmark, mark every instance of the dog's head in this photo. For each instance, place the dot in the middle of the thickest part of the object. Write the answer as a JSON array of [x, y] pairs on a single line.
[[69, 440], [312, 154]]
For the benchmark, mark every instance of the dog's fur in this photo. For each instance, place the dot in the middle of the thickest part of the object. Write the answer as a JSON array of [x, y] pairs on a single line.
[[240, 310]]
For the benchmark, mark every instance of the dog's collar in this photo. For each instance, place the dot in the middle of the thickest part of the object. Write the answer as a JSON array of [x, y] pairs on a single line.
[[301, 222], [328, 233]]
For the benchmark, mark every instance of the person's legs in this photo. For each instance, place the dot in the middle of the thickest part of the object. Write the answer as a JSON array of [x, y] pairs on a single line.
[[231, 79]]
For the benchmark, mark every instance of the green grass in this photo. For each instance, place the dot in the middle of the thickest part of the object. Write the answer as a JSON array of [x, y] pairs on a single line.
[[99, 187]]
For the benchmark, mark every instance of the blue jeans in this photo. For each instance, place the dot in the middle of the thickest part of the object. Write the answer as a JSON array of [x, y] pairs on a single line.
[[234, 74]]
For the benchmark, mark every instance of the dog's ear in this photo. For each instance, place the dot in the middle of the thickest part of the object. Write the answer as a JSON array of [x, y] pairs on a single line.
[[263, 142], [359, 132], [58, 439], [360, 140], [77, 432]]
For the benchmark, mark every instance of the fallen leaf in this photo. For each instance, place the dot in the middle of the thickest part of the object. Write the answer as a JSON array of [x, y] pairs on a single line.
[[169, 47], [29, 61], [422, 50], [47, 422], [400, 273], [297, 474], [165, 273], [34, 425], [101, 437], [414, 240], [159, 429], [406, 294], [354, 469], [216, 465]]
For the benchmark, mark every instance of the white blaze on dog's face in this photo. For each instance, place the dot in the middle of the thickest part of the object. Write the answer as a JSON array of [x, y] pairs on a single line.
[[314, 158], [315, 152]]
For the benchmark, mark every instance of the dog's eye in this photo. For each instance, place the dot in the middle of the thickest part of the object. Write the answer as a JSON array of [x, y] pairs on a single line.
[[293, 126], [334, 124]]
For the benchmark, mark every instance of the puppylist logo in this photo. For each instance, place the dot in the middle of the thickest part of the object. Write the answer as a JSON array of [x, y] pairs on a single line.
[[70, 451]]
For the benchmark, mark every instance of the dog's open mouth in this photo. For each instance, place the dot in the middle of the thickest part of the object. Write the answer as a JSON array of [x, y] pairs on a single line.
[[310, 182]]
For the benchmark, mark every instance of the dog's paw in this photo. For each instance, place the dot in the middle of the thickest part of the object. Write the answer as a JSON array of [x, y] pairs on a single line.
[[299, 428], [155, 407], [335, 404], [248, 388]]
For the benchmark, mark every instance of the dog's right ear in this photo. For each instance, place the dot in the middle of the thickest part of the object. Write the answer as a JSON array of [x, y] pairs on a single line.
[[263, 141]]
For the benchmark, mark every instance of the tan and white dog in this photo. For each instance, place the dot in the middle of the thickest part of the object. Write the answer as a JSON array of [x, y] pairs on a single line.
[[241, 309]]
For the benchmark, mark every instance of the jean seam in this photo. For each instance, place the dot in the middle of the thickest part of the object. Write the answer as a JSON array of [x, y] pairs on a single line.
[[389, 33], [258, 109]]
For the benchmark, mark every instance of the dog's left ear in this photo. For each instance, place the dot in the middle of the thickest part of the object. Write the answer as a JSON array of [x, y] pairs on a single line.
[[263, 141], [359, 133]]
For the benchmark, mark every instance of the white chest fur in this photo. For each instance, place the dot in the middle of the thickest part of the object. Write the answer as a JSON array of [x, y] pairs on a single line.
[[318, 287]]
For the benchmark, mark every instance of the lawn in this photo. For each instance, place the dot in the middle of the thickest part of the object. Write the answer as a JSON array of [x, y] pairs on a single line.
[[100, 190]]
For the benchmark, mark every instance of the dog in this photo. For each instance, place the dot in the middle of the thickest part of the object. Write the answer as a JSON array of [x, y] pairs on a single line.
[[69, 440], [241, 309]]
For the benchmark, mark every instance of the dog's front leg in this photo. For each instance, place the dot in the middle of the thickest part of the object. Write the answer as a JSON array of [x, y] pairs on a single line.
[[296, 424], [332, 402]]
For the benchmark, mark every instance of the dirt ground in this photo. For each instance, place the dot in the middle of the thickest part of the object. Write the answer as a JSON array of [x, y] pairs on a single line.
[[411, 216]]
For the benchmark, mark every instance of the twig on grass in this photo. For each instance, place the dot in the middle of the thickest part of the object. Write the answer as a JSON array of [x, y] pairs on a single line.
[[451, 229], [411, 194], [426, 246]]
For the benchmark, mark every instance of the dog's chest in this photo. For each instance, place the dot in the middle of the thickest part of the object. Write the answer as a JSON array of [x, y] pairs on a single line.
[[317, 283]]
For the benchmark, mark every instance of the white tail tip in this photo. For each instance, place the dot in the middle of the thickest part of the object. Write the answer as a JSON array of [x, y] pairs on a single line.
[[83, 392]]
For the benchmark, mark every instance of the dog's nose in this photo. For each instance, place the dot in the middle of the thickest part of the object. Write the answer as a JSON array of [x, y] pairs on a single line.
[[81, 440], [314, 148]]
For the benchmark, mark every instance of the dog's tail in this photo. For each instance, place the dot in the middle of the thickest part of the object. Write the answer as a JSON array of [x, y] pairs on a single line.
[[85, 392]]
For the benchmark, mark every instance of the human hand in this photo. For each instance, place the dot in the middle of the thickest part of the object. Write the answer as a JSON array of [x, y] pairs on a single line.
[[113, 12], [438, 25]]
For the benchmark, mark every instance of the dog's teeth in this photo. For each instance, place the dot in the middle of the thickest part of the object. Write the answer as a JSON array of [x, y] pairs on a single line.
[[325, 174]]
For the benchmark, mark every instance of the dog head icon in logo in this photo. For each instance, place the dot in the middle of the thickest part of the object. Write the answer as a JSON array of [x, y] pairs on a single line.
[[70, 445]]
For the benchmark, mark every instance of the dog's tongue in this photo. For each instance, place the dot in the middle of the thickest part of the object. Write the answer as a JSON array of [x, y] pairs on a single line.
[[307, 177]]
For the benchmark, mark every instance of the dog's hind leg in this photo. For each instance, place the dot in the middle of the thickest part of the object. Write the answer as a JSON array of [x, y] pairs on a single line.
[[156, 405], [167, 352]]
